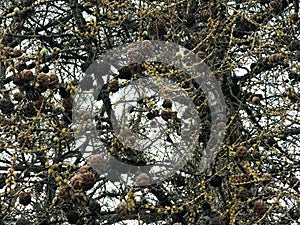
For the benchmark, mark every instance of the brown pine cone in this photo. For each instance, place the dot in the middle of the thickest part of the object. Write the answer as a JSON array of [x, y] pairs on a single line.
[[43, 80], [6, 106], [241, 179], [77, 181], [142, 179], [25, 198], [66, 194], [259, 207], [98, 163], [275, 6], [27, 75], [89, 180], [266, 178], [241, 193], [113, 85], [18, 80], [241, 152], [167, 114], [29, 110], [276, 58], [18, 96], [53, 80], [205, 15], [122, 209], [85, 169], [167, 104]]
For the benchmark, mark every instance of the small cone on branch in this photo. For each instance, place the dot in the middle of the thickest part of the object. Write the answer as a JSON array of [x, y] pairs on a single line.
[[6, 106], [167, 103], [276, 58], [166, 114], [241, 193], [66, 194], [43, 80], [85, 169], [77, 181], [18, 96], [241, 152], [255, 100], [205, 15], [27, 75], [53, 79], [89, 180], [122, 209], [98, 163], [275, 5], [266, 178], [25, 198], [142, 179], [259, 207], [113, 86]]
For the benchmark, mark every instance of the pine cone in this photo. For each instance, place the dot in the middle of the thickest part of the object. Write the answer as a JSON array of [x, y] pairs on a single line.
[[85, 169], [29, 110], [25, 198], [32, 94], [241, 193], [142, 179], [276, 58], [255, 100], [167, 114], [18, 96], [89, 180], [66, 194], [205, 15], [266, 178], [53, 80], [6, 106], [18, 80], [259, 207], [122, 209], [27, 75], [125, 73], [241, 152], [275, 6], [113, 86], [43, 80], [167, 104], [160, 28], [241, 179], [77, 181], [98, 163]]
